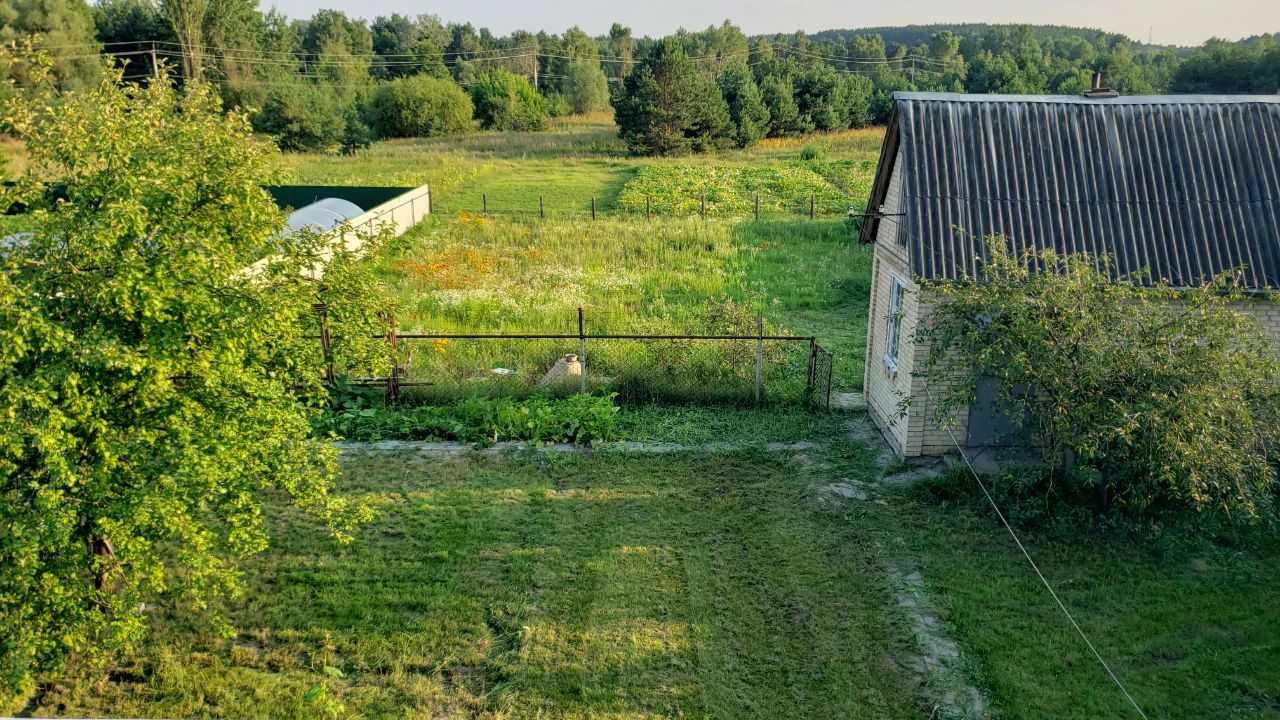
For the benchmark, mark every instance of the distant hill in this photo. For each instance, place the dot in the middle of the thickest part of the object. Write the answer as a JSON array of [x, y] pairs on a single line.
[[911, 35]]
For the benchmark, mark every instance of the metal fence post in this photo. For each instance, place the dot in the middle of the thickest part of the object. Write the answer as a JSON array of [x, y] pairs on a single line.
[[393, 378], [647, 208], [582, 352], [484, 203], [704, 203], [759, 353], [810, 206], [593, 207], [757, 207], [542, 208], [326, 342], [813, 367]]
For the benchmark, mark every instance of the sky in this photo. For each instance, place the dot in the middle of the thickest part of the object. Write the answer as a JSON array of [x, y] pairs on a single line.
[[1167, 22]]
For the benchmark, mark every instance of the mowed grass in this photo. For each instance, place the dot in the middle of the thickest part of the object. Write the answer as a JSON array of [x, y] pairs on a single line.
[[1189, 625], [542, 586]]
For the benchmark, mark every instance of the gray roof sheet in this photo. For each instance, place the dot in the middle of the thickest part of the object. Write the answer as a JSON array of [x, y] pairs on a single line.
[[1184, 187]]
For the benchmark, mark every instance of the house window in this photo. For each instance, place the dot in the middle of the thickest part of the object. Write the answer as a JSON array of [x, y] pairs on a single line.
[[893, 333]]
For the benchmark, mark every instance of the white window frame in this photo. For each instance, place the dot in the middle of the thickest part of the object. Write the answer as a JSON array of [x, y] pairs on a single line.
[[893, 322]]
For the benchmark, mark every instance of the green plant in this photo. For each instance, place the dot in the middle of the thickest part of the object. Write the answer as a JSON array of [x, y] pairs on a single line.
[[586, 89], [301, 115], [1157, 399], [506, 101], [419, 106], [152, 389], [578, 419], [667, 107]]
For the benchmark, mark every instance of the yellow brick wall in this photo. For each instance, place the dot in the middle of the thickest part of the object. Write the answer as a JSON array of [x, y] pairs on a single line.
[[1267, 313]]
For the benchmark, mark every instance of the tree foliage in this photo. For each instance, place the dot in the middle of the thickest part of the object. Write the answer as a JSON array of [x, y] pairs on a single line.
[[669, 107], [586, 89], [63, 29], [151, 391], [506, 101], [419, 106], [1165, 400]]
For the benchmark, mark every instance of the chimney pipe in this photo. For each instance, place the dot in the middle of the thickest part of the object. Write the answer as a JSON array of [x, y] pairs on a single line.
[[1099, 88]]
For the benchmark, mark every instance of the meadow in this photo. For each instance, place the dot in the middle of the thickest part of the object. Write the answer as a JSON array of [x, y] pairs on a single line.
[[649, 263]]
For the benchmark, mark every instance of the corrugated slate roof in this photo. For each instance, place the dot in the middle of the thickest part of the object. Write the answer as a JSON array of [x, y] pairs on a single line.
[[1184, 187]]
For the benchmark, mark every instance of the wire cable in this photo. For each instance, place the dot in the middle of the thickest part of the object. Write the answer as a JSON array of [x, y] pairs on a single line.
[[1017, 541]]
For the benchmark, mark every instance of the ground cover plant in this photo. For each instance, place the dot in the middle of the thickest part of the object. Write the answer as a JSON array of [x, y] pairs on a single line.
[[732, 191], [580, 419], [723, 585]]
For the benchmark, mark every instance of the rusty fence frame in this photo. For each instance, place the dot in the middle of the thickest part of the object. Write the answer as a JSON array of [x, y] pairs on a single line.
[[817, 381]]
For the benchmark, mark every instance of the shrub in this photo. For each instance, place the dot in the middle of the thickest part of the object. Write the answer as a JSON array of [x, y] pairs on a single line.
[[1158, 400], [577, 418], [419, 106], [506, 101], [303, 116]]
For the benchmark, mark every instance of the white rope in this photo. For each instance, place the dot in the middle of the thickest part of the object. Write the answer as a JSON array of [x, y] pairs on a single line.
[[1061, 606]]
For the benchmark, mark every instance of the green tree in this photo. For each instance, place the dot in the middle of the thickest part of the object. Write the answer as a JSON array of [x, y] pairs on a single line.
[[779, 97], [586, 88], [747, 111], [124, 21], [419, 106], [303, 115], [63, 29], [506, 101], [666, 107], [1164, 400], [151, 392]]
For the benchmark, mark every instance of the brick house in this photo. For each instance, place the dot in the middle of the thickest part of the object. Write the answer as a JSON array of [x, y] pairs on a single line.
[[1184, 187]]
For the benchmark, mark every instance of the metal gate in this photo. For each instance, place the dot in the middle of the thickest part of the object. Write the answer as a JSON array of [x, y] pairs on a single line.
[[820, 365]]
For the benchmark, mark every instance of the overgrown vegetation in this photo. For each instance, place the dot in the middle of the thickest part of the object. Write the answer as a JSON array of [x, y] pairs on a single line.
[[1154, 399], [580, 419], [151, 390]]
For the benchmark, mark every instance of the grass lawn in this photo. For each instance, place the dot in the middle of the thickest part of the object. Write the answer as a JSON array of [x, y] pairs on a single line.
[[1190, 626], [724, 586], [544, 587]]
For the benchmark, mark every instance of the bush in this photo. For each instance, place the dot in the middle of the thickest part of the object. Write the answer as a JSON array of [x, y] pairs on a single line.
[[1155, 400], [578, 419], [506, 101], [303, 116], [419, 106]]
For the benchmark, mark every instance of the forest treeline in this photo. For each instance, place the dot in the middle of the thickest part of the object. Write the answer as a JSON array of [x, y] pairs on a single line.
[[332, 82]]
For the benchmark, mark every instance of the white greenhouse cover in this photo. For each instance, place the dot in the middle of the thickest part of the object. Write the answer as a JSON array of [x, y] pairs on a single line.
[[322, 215]]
